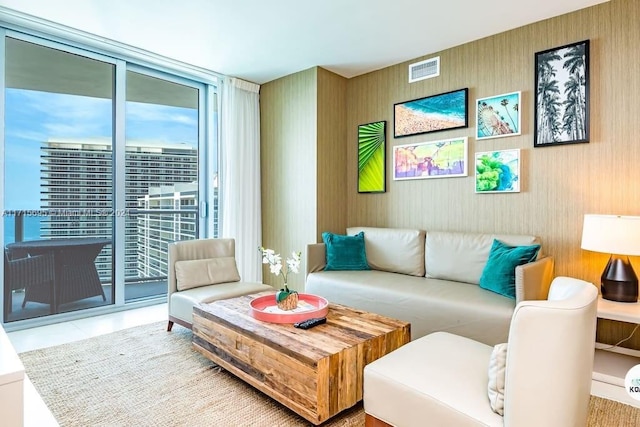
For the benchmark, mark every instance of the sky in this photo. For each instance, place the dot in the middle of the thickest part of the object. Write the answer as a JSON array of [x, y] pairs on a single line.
[[32, 117]]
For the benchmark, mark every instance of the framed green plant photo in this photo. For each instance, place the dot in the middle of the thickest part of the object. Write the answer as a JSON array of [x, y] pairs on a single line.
[[372, 157]]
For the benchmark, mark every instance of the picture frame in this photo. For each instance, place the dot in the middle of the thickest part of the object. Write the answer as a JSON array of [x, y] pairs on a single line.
[[498, 116], [435, 113], [372, 161], [445, 158], [562, 95], [497, 171]]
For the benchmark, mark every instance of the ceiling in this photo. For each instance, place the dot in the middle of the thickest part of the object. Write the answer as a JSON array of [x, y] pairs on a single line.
[[262, 40]]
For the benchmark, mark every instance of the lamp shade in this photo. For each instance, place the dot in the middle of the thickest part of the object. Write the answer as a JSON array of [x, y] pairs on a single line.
[[612, 234]]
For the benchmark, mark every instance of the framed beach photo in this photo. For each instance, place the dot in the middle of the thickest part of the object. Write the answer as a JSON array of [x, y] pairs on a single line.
[[498, 171], [498, 116], [435, 159], [562, 95], [431, 114], [372, 157]]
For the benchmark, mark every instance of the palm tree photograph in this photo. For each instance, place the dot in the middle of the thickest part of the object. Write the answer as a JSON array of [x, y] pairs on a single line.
[[498, 116], [562, 95]]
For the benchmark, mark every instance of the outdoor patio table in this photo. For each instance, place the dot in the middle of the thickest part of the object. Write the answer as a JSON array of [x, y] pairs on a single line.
[[76, 276]]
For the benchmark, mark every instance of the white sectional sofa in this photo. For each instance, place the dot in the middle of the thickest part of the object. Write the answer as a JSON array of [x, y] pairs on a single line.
[[431, 279]]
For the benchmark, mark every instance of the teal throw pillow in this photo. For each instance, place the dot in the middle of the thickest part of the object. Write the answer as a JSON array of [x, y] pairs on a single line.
[[345, 252], [499, 274]]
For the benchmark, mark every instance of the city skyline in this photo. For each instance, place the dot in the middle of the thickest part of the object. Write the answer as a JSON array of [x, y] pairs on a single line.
[[32, 118]]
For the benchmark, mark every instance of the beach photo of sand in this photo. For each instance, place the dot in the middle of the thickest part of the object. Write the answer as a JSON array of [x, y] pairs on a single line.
[[411, 122], [431, 114]]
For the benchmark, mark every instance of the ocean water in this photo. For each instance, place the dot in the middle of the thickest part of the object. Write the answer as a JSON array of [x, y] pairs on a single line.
[[451, 105], [31, 228]]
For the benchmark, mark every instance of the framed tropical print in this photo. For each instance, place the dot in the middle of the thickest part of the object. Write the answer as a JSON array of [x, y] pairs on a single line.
[[372, 157], [431, 114], [562, 95], [498, 116]]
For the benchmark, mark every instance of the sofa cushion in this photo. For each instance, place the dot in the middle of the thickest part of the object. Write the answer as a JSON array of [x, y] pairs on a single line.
[[499, 273], [462, 256], [345, 252], [497, 373], [395, 250], [202, 272], [430, 305]]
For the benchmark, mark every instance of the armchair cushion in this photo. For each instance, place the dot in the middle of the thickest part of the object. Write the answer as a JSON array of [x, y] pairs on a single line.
[[497, 370], [203, 272], [499, 273]]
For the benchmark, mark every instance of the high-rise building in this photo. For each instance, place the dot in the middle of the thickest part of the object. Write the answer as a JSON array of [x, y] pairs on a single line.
[[77, 188], [166, 214]]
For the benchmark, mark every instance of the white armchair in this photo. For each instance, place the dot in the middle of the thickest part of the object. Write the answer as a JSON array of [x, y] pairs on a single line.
[[442, 379], [202, 271]]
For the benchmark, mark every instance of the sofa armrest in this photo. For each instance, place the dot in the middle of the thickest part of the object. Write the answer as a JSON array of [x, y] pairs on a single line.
[[534, 279], [316, 257]]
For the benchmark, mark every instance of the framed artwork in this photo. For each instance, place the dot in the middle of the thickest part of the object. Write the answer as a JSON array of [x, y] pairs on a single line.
[[372, 157], [498, 116], [562, 95], [431, 114], [435, 159], [498, 171]]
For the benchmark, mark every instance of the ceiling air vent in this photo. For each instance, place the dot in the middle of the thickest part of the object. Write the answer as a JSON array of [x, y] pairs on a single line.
[[424, 69]]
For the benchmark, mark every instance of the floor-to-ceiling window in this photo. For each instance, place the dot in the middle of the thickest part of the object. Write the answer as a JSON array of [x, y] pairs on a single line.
[[58, 181], [105, 162], [161, 178]]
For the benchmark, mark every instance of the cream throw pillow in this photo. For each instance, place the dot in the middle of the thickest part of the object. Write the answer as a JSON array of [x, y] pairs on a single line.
[[202, 272], [497, 368]]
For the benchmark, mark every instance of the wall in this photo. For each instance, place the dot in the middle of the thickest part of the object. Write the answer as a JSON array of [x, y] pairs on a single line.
[[332, 145], [559, 183], [302, 140]]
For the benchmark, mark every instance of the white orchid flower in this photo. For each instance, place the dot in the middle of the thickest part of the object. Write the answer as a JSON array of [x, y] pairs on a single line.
[[276, 268], [269, 256], [293, 263]]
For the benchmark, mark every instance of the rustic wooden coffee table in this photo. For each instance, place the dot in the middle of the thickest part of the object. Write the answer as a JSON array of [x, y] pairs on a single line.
[[317, 372]]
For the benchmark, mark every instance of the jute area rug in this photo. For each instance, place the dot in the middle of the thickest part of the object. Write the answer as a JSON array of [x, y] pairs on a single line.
[[144, 376]]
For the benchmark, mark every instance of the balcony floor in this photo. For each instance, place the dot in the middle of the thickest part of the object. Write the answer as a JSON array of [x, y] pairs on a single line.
[[132, 292]]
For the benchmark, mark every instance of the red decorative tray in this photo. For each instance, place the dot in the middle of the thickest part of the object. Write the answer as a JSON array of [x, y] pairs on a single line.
[[309, 306]]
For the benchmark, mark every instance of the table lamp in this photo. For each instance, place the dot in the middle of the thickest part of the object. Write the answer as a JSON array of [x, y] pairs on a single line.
[[619, 236]]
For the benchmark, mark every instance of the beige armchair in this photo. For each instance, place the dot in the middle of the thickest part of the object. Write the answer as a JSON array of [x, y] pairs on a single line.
[[442, 379], [202, 271]]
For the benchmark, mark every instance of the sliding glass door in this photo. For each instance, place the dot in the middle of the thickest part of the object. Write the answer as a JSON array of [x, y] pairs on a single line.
[[102, 169], [58, 181], [161, 178]]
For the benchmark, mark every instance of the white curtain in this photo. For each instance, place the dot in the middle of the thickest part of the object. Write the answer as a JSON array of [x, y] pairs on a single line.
[[240, 215]]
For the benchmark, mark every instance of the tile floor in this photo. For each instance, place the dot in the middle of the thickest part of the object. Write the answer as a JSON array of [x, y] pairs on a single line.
[[75, 330], [36, 412]]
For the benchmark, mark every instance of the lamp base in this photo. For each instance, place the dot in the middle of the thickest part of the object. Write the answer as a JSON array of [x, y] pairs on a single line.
[[619, 281]]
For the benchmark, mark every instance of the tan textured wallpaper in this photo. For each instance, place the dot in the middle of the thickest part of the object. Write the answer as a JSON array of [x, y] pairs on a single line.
[[288, 111], [303, 122], [559, 184]]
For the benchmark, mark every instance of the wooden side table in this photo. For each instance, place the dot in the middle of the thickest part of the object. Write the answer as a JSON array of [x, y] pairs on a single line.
[[611, 364]]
